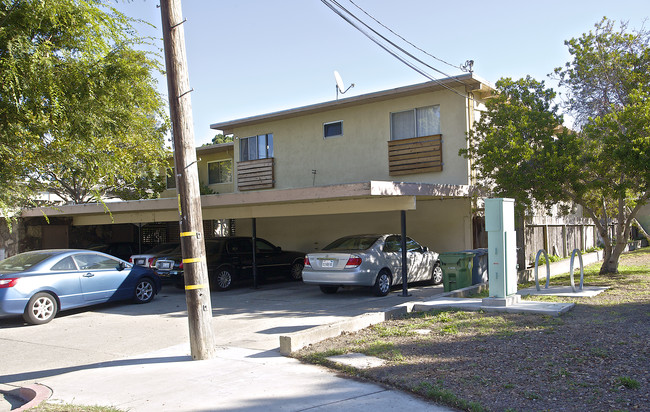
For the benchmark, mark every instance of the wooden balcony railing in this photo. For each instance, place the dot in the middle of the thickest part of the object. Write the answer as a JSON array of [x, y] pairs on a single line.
[[255, 174], [416, 155]]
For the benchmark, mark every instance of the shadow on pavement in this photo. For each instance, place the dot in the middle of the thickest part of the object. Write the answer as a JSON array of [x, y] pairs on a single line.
[[30, 376]]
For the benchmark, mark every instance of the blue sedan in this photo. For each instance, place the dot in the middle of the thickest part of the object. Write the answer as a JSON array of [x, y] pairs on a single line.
[[40, 283]]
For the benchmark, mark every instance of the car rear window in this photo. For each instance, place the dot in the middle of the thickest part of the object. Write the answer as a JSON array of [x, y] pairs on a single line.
[[352, 243], [23, 261]]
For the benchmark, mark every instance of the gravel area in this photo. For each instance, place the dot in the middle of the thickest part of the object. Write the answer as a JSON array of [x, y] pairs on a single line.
[[593, 358]]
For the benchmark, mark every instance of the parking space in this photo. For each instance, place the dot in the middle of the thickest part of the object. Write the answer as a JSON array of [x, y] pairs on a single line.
[[243, 317]]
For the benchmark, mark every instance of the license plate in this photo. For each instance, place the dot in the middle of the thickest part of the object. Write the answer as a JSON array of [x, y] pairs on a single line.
[[140, 262], [327, 263], [164, 265]]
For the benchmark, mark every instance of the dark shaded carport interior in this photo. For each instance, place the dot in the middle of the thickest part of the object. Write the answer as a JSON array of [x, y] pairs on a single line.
[[366, 197]]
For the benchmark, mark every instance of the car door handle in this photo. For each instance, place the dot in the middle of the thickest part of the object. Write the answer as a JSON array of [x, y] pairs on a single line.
[[89, 275]]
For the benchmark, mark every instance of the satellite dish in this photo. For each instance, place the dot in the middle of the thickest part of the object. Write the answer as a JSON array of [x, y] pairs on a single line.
[[339, 81], [339, 85]]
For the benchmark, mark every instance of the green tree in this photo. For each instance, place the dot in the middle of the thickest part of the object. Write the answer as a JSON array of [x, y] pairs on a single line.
[[520, 149], [79, 112], [220, 138]]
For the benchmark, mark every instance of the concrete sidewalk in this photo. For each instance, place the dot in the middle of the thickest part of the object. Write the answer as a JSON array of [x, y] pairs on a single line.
[[239, 378], [236, 380]]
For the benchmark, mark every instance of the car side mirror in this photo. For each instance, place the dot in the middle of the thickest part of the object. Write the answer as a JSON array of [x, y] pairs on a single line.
[[278, 249], [425, 249], [121, 266]]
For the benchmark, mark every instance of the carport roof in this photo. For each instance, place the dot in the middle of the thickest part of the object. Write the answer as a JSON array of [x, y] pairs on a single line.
[[372, 196]]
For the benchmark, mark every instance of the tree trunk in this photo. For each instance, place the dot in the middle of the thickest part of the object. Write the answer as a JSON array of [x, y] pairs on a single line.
[[610, 263]]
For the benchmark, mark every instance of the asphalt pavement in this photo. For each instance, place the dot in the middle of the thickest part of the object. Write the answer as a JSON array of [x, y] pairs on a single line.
[[137, 357]]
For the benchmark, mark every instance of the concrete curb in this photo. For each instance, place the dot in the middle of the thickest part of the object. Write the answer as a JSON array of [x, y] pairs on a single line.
[[32, 395], [298, 340]]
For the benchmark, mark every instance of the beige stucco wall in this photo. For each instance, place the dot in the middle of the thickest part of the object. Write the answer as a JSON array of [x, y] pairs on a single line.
[[361, 154], [442, 225], [202, 163]]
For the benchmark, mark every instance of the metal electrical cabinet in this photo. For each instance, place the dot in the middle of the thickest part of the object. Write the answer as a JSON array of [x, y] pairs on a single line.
[[502, 246]]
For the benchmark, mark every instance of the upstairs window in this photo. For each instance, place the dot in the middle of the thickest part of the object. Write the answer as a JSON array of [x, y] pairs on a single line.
[[332, 129], [256, 147], [424, 121], [171, 178], [220, 172]]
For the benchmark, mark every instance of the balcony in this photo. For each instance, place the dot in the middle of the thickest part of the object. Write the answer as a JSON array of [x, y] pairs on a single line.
[[416, 155], [255, 174]]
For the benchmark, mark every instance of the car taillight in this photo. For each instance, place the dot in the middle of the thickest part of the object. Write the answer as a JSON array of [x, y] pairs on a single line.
[[150, 262], [180, 266], [307, 262], [130, 260], [8, 283], [353, 262]]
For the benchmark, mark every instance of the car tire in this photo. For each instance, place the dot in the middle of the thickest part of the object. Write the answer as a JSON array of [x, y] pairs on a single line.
[[436, 274], [295, 273], [329, 290], [41, 308], [222, 279], [144, 291], [382, 283]]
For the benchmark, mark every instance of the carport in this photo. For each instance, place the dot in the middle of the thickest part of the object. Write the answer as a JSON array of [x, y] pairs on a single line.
[[321, 202]]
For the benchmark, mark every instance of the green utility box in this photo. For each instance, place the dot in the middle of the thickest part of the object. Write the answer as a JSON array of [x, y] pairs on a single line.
[[456, 270]]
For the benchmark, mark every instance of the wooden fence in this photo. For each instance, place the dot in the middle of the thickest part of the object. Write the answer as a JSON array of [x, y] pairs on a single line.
[[557, 239]]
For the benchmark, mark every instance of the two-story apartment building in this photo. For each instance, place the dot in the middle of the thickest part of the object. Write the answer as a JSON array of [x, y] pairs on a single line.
[[311, 174]]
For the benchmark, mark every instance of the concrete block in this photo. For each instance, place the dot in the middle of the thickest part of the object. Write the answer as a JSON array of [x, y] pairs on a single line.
[[298, 340]]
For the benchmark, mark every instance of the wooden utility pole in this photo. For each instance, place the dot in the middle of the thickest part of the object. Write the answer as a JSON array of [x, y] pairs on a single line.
[[197, 288]]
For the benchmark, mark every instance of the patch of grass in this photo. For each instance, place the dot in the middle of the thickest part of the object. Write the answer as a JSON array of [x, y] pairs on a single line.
[[439, 394], [320, 358], [384, 350], [449, 329], [385, 331], [627, 382], [54, 407]]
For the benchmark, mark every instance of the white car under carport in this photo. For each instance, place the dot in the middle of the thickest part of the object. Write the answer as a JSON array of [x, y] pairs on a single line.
[[370, 260]]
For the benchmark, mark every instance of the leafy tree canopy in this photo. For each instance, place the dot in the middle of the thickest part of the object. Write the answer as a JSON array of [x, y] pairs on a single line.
[[79, 112], [521, 150], [220, 138]]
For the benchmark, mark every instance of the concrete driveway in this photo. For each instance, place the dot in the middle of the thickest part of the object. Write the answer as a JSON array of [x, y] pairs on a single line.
[[242, 318]]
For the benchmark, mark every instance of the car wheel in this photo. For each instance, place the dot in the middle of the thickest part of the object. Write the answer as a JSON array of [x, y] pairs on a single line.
[[144, 291], [382, 284], [436, 274], [41, 308], [296, 271], [223, 278], [329, 290]]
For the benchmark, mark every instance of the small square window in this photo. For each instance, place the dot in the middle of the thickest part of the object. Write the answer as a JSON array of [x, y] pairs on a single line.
[[333, 129], [171, 179]]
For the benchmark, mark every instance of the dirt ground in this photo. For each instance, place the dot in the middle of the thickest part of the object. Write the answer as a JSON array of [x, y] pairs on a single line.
[[594, 358]]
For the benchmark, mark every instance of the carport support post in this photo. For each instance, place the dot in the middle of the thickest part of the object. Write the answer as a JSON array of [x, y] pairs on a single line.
[[254, 244], [197, 288], [405, 290]]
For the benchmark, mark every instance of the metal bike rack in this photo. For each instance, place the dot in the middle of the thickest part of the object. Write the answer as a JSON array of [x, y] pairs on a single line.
[[582, 271], [548, 268]]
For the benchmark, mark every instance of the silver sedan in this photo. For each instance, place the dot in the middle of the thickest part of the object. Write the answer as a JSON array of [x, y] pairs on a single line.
[[370, 260]]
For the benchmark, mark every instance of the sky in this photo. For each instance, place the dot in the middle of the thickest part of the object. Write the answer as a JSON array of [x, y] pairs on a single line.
[[252, 57]]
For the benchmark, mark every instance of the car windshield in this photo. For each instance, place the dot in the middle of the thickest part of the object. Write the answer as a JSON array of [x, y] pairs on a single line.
[[352, 243], [23, 261]]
